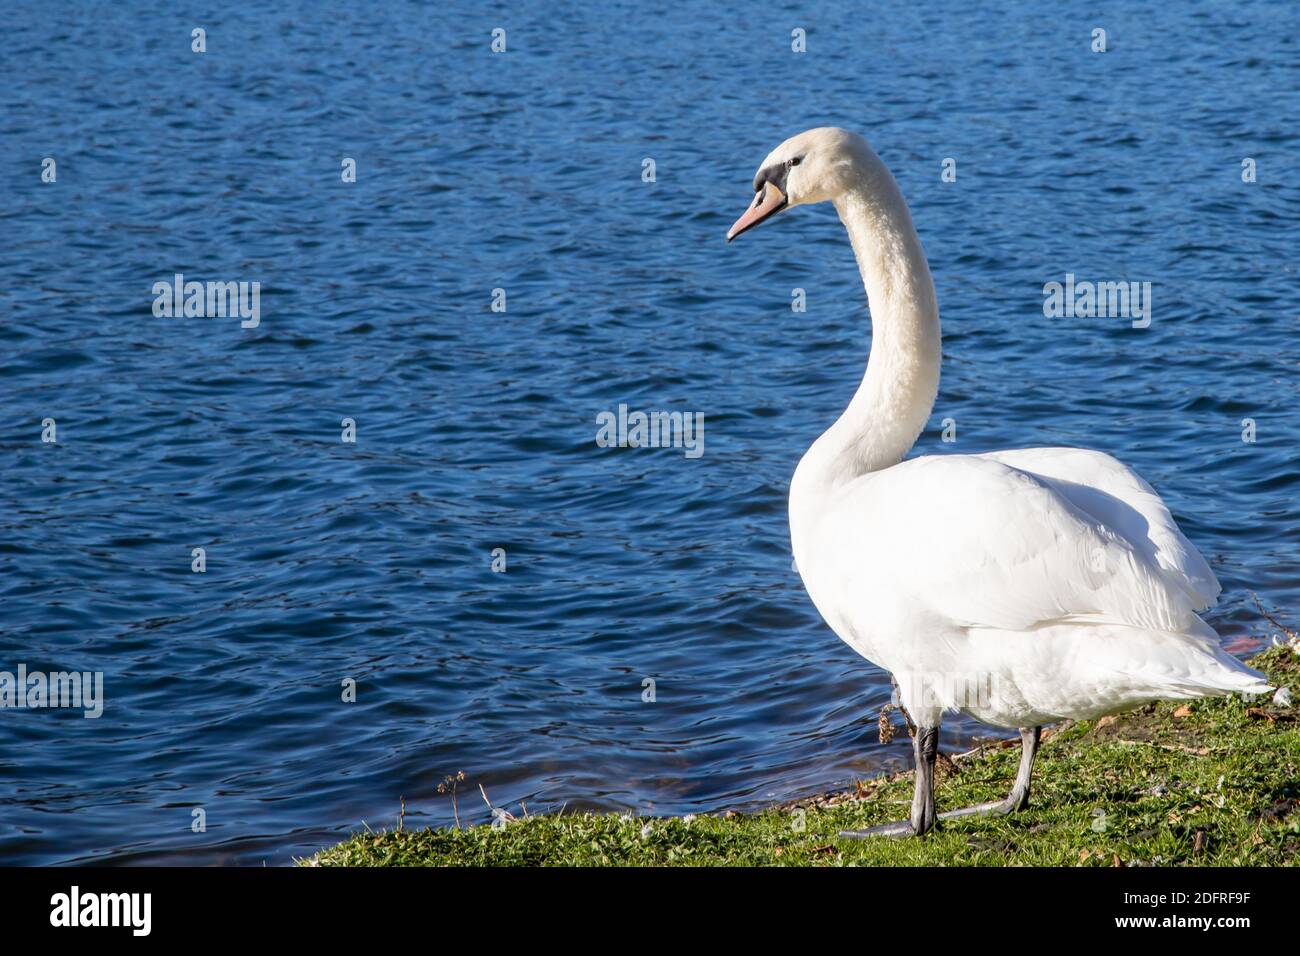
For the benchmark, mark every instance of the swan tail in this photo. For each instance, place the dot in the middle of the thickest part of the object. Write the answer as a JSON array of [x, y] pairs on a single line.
[[1227, 676], [1208, 670], [1085, 672]]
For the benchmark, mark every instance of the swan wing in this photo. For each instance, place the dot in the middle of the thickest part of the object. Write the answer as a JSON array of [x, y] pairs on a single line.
[[1117, 496], [969, 541]]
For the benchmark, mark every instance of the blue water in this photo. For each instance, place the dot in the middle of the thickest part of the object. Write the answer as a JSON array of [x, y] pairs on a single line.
[[475, 429]]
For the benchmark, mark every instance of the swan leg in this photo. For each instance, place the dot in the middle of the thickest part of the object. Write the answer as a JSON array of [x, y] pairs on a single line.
[[1019, 797], [925, 747], [1030, 738]]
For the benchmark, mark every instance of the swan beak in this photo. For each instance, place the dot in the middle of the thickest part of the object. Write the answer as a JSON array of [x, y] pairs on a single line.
[[768, 201]]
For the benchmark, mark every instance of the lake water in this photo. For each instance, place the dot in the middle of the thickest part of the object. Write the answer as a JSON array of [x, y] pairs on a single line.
[[329, 561]]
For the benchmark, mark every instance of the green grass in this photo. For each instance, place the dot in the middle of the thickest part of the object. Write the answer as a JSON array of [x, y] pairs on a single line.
[[1213, 782]]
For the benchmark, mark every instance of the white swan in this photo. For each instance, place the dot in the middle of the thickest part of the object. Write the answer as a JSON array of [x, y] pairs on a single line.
[[1019, 587]]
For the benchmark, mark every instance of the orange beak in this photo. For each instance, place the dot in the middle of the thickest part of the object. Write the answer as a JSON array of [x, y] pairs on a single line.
[[767, 202]]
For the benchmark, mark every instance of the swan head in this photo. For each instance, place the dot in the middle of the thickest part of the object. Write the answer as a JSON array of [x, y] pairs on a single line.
[[815, 166]]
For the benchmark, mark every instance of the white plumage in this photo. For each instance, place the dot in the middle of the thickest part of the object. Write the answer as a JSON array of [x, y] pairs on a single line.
[[1020, 587]]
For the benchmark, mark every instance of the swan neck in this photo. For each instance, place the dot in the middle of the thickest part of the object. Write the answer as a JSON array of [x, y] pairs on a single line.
[[897, 393]]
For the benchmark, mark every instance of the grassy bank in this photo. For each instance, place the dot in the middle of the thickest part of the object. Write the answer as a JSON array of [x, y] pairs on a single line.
[[1213, 782]]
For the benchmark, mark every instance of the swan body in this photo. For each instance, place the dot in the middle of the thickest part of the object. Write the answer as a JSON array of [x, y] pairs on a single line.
[[1019, 587]]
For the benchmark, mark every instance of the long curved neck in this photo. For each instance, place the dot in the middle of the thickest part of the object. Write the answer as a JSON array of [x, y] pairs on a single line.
[[893, 403]]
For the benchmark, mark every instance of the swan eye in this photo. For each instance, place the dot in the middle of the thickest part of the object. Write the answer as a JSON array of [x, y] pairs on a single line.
[[796, 161]]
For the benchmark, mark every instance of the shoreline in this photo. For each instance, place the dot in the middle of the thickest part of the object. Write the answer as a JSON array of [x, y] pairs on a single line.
[[1176, 783]]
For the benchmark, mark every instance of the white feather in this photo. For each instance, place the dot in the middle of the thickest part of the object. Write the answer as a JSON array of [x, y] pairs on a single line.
[[1020, 587]]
